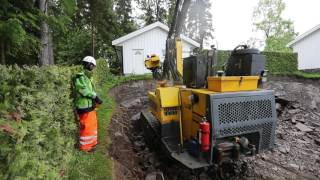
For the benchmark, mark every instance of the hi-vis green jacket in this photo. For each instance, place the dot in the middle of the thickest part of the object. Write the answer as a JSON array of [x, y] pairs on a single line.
[[85, 94]]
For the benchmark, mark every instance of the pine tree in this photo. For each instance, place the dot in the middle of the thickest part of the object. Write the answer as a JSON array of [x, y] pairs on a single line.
[[123, 10], [171, 5], [100, 19], [199, 21], [18, 23], [154, 10]]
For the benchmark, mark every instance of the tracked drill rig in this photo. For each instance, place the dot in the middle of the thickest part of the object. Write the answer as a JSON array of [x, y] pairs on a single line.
[[212, 116]]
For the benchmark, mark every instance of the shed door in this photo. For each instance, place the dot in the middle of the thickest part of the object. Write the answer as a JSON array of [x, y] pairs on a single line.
[[138, 61]]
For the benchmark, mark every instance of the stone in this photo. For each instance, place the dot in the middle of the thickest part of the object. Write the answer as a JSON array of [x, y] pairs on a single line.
[[278, 106], [303, 128], [306, 139], [203, 176], [297, 117], [118, 134], [294, 166], [130, 103], [264, 157], [151, 159], [287, 149], [296, 105], [139, 145], [155, 176], [135, 117], [302, 141], [294, 111], [317, 142], [283, 150], [144, 99]]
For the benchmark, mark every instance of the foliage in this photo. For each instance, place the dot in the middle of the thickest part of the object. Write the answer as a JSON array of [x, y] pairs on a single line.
[[278, 31], [115, 66], [123, 10], [307, 75], [18, 23], [277, 62], [37, 124], [72, 47], [154, 10], [38, 128], [199, 21], [171, 7], [76, 26]]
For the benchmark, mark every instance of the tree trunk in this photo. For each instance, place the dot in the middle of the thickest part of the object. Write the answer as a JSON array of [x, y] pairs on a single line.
[[174, 32], [158, 10], [202, 36], [182, 17], [3, 55], [44, 51], [93, 40], [50, 46]]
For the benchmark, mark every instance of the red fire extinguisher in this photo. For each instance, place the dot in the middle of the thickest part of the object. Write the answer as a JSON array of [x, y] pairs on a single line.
[[205, 136]]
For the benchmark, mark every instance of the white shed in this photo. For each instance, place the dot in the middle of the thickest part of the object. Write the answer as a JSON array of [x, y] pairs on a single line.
[[146, 41], [307, 46]]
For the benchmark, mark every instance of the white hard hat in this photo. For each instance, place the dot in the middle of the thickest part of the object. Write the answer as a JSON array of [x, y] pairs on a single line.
[[90, 59]]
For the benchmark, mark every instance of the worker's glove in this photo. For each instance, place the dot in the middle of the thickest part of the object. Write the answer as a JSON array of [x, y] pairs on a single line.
[[97, 100]]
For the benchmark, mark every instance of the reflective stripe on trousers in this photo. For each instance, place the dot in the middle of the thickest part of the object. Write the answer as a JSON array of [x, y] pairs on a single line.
[[88, 130]]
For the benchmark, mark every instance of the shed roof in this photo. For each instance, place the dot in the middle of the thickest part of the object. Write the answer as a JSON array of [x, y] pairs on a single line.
[[304, 35], [122, 39]]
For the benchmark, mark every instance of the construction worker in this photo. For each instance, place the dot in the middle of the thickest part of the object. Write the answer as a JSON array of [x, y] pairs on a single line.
[[86, 100]]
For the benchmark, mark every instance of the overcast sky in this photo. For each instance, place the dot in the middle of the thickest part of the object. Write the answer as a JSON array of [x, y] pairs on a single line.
[[232, 19]]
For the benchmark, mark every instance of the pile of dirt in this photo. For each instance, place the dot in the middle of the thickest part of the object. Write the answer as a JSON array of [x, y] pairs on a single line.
[[297, 152], [127, 143], [296, 156]]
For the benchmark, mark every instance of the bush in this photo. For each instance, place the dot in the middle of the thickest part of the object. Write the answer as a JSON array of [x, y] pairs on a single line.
[[281, 63], [277, 62], [37, 122], [38, 127]]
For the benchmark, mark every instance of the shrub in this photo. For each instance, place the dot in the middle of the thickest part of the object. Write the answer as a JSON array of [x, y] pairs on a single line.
[[277, 62], [38, 128], [281, 63]]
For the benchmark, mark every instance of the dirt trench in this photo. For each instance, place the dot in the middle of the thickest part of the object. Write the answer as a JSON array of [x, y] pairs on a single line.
[[296, 156]]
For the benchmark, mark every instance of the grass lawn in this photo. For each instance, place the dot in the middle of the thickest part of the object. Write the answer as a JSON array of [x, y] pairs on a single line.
[[300, 74], [98, 165], [307, 75]]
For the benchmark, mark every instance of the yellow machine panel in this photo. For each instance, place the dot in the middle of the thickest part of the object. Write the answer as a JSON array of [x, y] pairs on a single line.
[[186, 113], [196, 119], [179, 56], [169, 96], [154, 104], [200, 106], [233, 83], [165, 104]]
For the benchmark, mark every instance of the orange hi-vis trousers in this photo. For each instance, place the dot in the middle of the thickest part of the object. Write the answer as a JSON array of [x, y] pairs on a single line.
[[88, 130]]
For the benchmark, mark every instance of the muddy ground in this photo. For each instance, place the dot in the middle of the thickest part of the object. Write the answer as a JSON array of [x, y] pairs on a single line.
[[296, 156]]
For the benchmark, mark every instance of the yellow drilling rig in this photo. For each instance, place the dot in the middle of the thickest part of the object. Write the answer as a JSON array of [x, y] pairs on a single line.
[[209, 116]]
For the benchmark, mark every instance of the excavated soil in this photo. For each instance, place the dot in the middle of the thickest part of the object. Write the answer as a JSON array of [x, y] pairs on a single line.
[[296, 156]]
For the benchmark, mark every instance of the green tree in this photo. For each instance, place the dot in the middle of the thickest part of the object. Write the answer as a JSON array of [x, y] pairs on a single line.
[[278, 31], [154, 10], [199, 21], [100, 19], [18, 29], [171, 5], [88, 31], [123, 10]]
